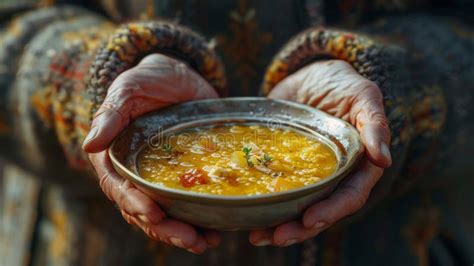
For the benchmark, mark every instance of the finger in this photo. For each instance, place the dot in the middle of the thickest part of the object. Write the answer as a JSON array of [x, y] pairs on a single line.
[[139, 209], [212, 238], [288, 234], [180, 234], [107, 124], [373, 126], [261, 237], [172, 232], [156, 82], [123, 193], [347, 199], [293, 232], [374, 137]]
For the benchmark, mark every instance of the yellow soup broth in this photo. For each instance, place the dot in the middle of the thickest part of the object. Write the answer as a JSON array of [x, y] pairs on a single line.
[[237, 160]]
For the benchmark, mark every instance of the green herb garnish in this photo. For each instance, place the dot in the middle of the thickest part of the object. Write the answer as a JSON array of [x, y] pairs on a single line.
[[247, 151], [167, 148]]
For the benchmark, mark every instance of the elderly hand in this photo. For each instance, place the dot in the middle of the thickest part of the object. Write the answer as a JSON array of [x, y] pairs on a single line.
[[157, 81], [336, 88]]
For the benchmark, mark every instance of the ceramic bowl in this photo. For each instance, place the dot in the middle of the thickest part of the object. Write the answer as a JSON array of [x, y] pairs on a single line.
[[237, 212]]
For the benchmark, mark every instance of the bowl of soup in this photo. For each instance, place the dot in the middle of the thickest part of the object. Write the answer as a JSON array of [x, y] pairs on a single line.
[[236, 163]]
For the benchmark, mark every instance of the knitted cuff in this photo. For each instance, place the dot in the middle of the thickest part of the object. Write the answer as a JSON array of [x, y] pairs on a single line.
[[386, 65], [129, 44], [316, 43]]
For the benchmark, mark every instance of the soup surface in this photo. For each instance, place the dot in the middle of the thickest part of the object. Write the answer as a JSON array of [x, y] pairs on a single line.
[[237, 159]]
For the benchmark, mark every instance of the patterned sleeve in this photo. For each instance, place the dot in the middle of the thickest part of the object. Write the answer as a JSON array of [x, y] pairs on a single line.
[[421, 64], [57, 64], [373, 59]]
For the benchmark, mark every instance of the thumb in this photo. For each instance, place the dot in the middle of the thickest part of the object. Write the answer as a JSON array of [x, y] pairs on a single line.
[[107, 124], [372, 124]]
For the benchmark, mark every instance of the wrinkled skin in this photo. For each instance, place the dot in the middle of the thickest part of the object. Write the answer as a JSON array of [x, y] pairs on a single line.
[[158, 81], [335, 87]]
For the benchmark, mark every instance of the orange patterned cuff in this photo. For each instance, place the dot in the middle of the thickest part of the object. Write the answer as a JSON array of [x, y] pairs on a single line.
[[361, 52], [130, 43]]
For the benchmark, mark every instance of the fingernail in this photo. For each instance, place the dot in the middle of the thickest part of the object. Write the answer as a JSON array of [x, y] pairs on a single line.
[[197, 250], [318, 225], [290, 242], [177, 242], [262, 242], [386, 152], [143, 219], [91, 135], [192, 251]]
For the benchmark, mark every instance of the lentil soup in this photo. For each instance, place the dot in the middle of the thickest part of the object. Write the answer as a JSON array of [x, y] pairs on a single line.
[[238, 159]]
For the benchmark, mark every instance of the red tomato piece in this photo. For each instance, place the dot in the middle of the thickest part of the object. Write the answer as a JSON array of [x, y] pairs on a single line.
[[193, 177]]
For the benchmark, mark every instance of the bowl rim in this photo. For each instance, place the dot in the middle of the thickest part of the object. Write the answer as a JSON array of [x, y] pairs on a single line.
[[173, 193]]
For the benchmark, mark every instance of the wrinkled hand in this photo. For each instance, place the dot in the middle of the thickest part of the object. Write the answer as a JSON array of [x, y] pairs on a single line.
[[157, 81], [336, 88]]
